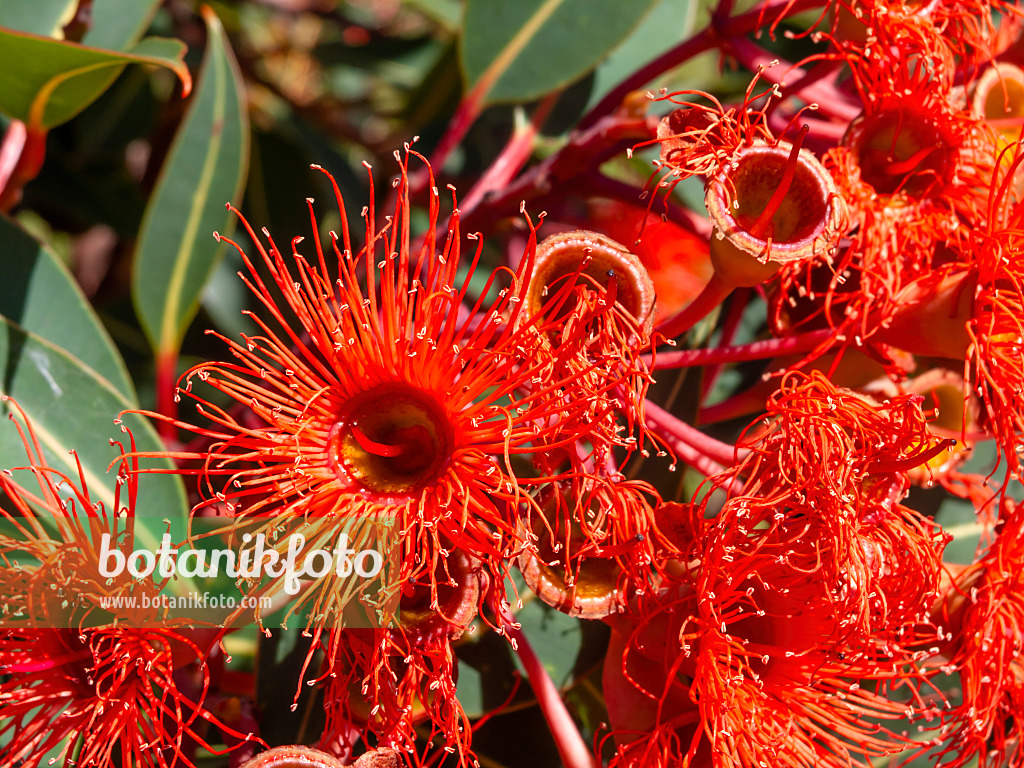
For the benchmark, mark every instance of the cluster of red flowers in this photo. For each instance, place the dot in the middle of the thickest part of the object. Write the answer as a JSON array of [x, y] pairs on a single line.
[[796, 611]]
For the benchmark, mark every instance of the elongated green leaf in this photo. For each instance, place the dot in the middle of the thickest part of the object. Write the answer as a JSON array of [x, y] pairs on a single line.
[[518, 50], [72, 407], [46, 82], [668, 23], [39, 17], [205, 168], [37, 293], [59, 364], [118, 24]]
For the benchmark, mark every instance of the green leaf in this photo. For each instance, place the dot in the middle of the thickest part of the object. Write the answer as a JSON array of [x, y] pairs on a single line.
[[517, 50], [57, 80], [39, 17], [39, 294], [206, 167], [569, 648], [118, 24], [444, 12], [72, 407], [669, 22], [71, 397]]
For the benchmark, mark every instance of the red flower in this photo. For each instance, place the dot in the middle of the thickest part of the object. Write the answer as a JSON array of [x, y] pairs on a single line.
[[796, 617], [821, 491], [113, 690], [110, 692], [730, 672], [411, 397], [986, 625]]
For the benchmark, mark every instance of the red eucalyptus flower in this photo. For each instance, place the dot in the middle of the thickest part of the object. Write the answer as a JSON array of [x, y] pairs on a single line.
[[113, 690], [404, 397], [822, 485], [722, 669], [796, 618], [985, 618], [109, 694]]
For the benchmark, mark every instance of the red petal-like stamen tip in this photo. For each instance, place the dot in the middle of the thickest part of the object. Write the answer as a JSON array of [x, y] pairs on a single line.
[[910, 462], [393, 449]]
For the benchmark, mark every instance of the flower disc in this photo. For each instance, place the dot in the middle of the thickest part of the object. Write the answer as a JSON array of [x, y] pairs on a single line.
[[393, 439]]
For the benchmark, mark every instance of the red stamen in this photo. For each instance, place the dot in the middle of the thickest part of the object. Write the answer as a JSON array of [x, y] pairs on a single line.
[[615, 550], [759, 228]]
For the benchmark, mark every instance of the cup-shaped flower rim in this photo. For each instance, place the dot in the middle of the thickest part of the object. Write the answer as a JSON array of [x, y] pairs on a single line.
[[750, 218], [594, 593], [998, 95], [295, 756], [903, 153], [602, 260]]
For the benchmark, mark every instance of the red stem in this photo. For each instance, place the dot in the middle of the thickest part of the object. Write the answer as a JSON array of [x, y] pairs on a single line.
[[704, 40], [468, 111], [732, 324], [830, 101], [21, 158], [166, 391], [694, 458], [814, 86], [512, 157], [713, 294], [757, 350], [707, 39], [677, 432], [571, 747], [10, 151], [744, 404], [596, 184], [585, 150]]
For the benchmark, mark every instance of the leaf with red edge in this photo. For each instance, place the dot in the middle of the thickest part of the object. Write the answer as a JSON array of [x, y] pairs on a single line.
[[57, 80]]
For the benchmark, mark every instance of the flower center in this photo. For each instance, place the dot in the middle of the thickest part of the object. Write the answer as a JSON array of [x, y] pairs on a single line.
[[777, 195], [393, 439], [900, 151]]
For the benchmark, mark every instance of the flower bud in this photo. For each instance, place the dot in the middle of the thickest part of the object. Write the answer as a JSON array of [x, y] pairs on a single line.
[[564, 569], [459, 578]]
